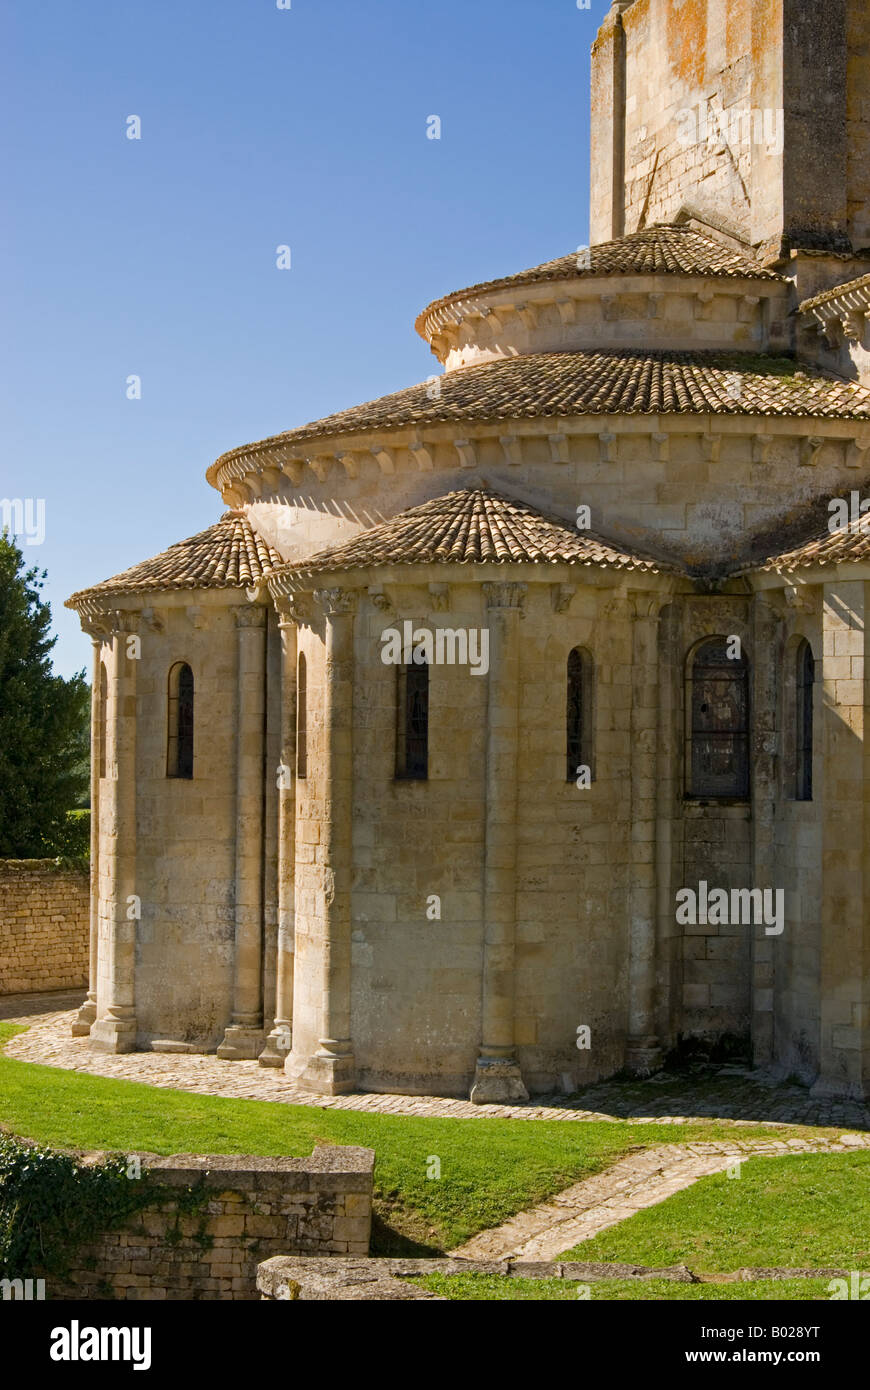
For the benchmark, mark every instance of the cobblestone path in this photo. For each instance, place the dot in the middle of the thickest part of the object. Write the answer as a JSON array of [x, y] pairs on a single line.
[[547, 1231], [731, 1094]]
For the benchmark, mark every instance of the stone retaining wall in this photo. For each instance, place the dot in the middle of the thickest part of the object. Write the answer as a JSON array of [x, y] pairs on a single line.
[[251, 1209], [43, 926], [375, 1280]]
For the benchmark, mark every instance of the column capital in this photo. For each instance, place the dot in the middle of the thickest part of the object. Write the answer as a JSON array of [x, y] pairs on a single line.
[[646, 604], [124, 620], [336, 602], [250, 615], [292, 609]]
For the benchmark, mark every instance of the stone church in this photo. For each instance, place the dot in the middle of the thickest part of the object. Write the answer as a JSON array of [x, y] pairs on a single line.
[[406, 769]]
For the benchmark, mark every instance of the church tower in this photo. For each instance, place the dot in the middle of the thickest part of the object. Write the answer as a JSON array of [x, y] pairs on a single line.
[[750, 115]]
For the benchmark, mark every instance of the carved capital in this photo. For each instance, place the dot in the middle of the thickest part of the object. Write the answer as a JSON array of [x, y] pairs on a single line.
[[97, 624], [336, 602], [291, 609], [250, 615], [124, 620]]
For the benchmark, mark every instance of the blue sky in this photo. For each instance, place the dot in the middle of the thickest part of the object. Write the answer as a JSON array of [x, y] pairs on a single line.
[[156, 257]]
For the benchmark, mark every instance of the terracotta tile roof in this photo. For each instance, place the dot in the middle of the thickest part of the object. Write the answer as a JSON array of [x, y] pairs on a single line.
[[229, 555], [594, 383], [475, 526], [861, 283], [825, 547], [663, 249]]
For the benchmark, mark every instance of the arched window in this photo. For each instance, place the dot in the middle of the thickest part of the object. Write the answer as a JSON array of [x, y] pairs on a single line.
[[179, 743], [102, 706], [302, 718], [579, 713], [805, 670], [719, 729], [412, 723]]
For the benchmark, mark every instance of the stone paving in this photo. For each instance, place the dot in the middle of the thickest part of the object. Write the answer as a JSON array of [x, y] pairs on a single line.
[[731, 1094], [32, 1008], [640, 1180]]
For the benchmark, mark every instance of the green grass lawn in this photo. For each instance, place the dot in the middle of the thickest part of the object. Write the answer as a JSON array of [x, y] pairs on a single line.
[[805, 1211], [491, 1288], [490, 1169]]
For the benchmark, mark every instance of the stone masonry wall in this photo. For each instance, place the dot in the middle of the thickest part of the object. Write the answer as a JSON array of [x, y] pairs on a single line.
[[43, 926], [252, 1210]]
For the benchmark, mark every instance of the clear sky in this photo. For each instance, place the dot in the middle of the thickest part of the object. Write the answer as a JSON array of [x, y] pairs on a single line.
[[156, 257]]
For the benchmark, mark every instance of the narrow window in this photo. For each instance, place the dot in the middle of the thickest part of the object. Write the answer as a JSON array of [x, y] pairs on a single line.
[[804, 677], [412, 725], [102, 705], [302, 718], [579, 713], [719, 722], [179, 744]]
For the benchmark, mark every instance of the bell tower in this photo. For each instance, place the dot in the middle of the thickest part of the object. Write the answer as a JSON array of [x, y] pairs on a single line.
[[749, 114]]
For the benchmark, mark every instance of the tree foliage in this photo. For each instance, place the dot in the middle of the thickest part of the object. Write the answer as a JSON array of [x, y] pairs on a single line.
[[44, 721]]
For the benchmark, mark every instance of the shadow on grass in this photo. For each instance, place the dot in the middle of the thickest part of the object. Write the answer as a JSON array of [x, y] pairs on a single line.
[[388, 1239]]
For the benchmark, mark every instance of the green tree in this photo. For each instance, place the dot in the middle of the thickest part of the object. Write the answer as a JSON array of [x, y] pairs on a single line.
[[43, 721]]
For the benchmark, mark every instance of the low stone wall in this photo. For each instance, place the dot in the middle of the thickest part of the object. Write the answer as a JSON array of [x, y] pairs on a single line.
[[311, 1280], [341, 1280], [43, 926], [248, 1210]]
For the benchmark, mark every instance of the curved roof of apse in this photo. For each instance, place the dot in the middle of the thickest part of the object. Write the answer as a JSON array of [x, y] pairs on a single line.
[[663, 249], [474, 526], [542, 384], [228, 555]]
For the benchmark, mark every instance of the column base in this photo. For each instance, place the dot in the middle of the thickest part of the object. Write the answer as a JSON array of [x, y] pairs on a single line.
[[497, 1081], [643, 1056], [278, 1044], [86, 1016], [329, 1073], [827, 1089], [114, 1034], [241, 1044]]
